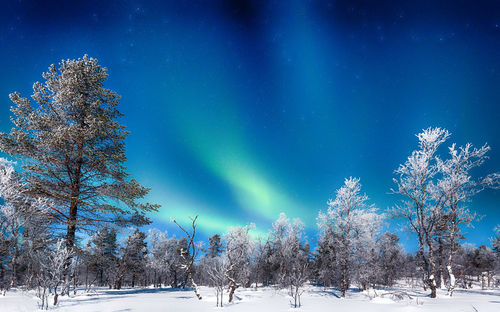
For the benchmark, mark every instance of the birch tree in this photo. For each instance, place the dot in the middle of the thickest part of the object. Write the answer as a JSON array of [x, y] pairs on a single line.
[[422, 205], [216, 268], [188, 254], [457, 186], [239, 250], [20, 216], [348, 220]]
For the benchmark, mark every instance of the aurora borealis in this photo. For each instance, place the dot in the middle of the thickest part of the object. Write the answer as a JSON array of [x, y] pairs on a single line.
[[239, 110]]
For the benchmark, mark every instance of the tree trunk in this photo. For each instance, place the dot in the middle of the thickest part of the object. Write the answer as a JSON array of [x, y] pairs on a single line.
[[344, 284], [432, 277], [13, 282], [440, 263], [452, 285], [175, 279], [195, 287], [232, 289], [71, 228], [70, 238], [73, 208], [2, 275], [56, 296]]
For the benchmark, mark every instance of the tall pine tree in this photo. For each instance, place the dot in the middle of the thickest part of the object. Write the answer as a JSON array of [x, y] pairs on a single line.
[[72, 149]]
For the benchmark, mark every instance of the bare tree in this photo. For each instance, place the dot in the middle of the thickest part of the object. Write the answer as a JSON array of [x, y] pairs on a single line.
[[189, 254], [216, 268], [53, 263], [298, 278]]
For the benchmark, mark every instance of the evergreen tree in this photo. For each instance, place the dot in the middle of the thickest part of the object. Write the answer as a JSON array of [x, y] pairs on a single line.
[[103, 254], [215, 247], [496, 249], [327, 270], [390, 259], [134, 258], [72, 148]]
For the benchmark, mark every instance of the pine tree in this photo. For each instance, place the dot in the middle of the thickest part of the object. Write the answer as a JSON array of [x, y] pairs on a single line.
[[484, 262], [134, 258], [496, 249], [326, 267], [390, 261], [72, 149], [103, 254], [215, 247]]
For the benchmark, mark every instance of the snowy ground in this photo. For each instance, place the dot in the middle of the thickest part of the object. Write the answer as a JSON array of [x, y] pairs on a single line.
[[263, 299]]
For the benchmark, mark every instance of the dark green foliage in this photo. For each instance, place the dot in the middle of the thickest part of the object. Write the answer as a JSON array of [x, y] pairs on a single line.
[[215, 247]]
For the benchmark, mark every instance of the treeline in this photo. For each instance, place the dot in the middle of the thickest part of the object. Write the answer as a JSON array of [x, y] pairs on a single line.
[[352, 251], [368, 259], [67, 180]]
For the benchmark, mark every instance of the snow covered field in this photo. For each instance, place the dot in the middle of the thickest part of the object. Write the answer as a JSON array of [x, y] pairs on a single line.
[[263, 299]]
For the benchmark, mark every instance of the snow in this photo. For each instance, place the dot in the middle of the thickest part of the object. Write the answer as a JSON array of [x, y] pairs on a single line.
[[18, 301], [262, 299]]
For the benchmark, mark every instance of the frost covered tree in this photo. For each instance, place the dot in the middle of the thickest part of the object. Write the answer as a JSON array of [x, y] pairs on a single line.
[[72, 151], [158, 261], [484, 262], [464, 265], [457, 186], [24, 227], [422, 205], [292, 255], [51, 276], [436, 192], [349, 221], [11, 222], [166, 259], [216, 268], [366, 249], [239, 250]]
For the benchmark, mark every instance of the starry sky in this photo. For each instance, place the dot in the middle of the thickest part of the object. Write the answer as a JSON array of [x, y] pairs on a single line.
[[240, 110]]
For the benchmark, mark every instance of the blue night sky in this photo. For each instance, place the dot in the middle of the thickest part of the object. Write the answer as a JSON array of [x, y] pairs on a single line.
[[241, 110]]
